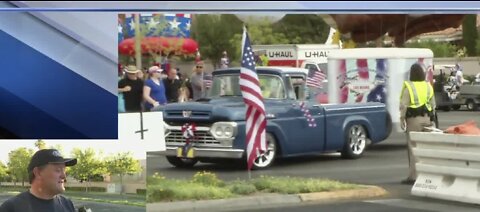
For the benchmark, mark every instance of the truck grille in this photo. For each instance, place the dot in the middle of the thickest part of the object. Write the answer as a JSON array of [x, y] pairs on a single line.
[[201, 137]]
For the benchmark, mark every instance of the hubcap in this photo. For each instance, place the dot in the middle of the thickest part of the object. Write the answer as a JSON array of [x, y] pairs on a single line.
[[358, 139], [470, 105], [264, 159]]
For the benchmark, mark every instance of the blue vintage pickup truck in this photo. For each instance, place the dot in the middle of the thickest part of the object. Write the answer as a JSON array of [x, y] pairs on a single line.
[[220, 121]]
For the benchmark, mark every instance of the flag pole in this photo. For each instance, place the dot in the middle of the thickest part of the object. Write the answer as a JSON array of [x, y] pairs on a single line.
[[138, 41]]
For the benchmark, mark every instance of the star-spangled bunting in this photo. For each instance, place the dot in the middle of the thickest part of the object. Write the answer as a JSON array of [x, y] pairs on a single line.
[[174, 25], [379, 93], [306, 113]]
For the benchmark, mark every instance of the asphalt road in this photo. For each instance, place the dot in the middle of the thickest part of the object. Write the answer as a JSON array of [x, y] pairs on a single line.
[[384, 164]]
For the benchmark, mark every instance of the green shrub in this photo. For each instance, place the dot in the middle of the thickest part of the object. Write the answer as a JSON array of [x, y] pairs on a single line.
[[141, 191], [182, 190], [208, 179]]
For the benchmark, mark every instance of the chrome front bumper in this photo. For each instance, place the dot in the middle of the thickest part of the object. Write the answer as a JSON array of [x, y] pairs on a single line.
[[209, 152]]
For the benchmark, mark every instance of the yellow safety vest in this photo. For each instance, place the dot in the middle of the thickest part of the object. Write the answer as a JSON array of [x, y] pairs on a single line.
[[420, 94]]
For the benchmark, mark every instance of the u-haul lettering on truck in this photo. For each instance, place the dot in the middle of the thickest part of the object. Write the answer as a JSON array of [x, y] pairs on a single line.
[[315, 54], [280, 54]]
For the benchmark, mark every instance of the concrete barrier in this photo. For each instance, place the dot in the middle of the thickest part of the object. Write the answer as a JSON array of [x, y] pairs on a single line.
[[448, 166]]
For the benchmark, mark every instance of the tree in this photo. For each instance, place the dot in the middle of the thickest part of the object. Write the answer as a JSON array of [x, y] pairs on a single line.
[[260, 33], [18, 164], [303, 28], [88, 166], [439, 49], [213, 34], [40, 144], [3, 172], [470, 34], [122, 164]]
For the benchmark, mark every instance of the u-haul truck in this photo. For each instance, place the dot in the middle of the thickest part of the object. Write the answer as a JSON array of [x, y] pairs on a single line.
[[297, 55]]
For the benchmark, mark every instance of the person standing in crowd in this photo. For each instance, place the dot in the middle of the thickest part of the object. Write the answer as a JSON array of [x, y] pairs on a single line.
[[154, 89], [172, 86], [417, 105], [459, 76], [198, 87], [132, 88], [224, 61], [185, 88], [47, 177], [141, 75]]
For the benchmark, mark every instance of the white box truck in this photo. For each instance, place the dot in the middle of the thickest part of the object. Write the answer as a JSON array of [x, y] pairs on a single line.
[[374, 75]]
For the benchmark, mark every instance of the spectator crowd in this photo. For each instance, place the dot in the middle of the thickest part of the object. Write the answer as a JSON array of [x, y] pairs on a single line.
[[151, 89]]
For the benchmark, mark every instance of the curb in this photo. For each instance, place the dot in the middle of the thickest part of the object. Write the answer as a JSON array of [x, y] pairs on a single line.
[[366, 192], [265, 200]]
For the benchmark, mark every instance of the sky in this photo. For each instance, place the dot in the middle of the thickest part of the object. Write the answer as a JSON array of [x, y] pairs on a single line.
[[107, 146]]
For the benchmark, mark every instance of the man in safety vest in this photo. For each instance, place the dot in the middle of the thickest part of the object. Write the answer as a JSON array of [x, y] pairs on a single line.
[[417, 105]]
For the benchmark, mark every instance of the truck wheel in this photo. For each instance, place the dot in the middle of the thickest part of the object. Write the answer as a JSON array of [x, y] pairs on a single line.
[[355, 143], [181, 162], [456, 107], [471, 105], [266, 159]]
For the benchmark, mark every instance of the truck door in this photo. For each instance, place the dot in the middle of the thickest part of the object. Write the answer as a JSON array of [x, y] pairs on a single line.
[[308, 132]]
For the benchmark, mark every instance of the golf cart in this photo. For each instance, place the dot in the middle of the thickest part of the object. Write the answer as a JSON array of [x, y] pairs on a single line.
[[442, 97], [448, 94]]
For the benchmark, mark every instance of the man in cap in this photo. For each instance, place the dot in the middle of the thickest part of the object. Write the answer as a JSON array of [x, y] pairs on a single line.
[[196, 80], [132, 88], [47, 177]]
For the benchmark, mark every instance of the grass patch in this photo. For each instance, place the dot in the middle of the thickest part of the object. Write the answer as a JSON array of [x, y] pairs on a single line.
[[125, 199], [294, 185], [205, 186]]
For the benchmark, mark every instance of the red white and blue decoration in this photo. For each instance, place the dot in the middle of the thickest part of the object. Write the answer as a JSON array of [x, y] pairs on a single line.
[[188, 132]]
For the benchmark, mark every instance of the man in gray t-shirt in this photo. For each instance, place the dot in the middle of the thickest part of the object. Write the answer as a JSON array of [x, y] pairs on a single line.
[[196, 80]]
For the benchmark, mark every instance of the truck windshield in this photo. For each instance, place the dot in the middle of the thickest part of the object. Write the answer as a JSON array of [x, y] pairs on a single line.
[[228, 85]]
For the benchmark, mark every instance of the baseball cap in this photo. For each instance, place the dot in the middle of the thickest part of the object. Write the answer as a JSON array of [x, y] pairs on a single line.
[[155, 69], [49, 156]]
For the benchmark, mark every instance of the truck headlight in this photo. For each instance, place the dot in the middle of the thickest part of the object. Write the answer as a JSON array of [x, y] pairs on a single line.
[[228, 131], [219, 132], [223, 130]]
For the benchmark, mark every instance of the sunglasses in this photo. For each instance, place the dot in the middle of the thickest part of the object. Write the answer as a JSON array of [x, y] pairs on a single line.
[[199, 66]]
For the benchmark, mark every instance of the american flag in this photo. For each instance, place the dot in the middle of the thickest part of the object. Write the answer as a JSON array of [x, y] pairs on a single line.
[[315, 78], [172, 25], [256, 121]]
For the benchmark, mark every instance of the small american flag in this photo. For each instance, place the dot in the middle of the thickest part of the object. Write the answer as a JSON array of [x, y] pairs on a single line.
[[207, 81], [256, 121], [315, 78]]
